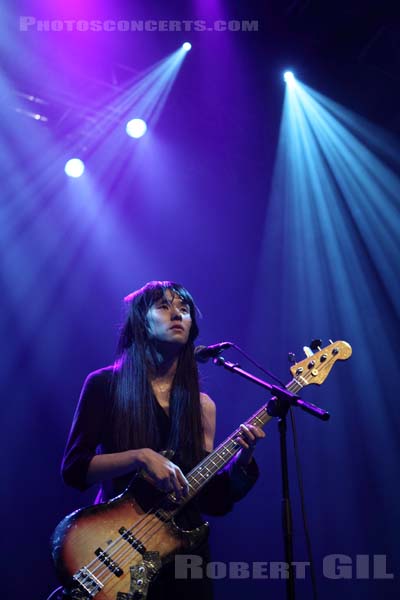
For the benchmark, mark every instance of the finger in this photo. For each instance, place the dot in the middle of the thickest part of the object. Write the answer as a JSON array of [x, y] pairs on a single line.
[[177, 473], [247, 432], [186, 488], [175, 479], [181, 478], [243, 443], [175, 487], [257, 431], [247, 443], [182, 482]]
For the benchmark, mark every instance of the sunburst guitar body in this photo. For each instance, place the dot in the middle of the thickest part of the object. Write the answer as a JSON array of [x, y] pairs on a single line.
[[112, 551]]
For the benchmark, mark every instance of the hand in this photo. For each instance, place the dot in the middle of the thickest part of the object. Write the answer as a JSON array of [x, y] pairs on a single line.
[[250, 434], [166, 475]]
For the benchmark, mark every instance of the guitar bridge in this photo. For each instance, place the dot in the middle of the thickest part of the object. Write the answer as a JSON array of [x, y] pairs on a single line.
[[85, 585]]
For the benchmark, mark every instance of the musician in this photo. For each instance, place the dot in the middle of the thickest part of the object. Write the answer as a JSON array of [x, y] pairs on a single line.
[[147, 401]]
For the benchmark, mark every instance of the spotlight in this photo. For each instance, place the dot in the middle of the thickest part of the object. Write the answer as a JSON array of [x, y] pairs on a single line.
[[136, 128], [74, 167], [186, 46], [289, 77]]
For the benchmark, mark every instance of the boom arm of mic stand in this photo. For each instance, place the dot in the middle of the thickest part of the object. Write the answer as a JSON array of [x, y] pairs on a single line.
[[281, 394]]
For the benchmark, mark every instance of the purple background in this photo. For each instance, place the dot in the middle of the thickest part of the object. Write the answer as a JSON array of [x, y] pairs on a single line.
[[192, 206]]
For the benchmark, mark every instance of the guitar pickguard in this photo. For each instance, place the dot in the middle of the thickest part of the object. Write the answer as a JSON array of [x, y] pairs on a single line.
[[141, 576]]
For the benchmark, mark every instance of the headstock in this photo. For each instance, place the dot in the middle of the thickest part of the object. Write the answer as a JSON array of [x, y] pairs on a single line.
[[316, 367]]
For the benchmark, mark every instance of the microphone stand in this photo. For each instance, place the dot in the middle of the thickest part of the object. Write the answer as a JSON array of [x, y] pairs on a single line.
[[278, 407]]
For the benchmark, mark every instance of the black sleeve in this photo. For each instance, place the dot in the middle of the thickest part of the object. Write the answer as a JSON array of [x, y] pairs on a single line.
[[227, 487], [86, 431]]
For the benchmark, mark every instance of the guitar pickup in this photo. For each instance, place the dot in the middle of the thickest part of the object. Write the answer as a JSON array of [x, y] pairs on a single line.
[[134, 542], [108, 562]]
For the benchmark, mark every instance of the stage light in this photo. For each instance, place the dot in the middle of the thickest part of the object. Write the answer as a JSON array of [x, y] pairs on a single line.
[[74, 167], [289, 77], [187, 46], [136, 128]]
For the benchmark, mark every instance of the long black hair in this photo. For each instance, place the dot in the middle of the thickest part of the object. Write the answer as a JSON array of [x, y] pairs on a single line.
[[134, 421]]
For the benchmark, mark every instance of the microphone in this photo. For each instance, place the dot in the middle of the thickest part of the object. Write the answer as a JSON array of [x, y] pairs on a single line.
[[204, 353]]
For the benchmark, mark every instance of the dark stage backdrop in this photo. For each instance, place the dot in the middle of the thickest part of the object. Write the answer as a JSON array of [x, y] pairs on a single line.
[[192, 205]]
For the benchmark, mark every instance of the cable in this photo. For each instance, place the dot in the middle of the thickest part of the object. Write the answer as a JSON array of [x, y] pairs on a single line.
[[256, 364], [54, 592], [303, 506]]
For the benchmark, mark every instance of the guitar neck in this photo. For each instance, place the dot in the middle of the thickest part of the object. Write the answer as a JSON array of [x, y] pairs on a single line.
[[220, 457], [312, 370]]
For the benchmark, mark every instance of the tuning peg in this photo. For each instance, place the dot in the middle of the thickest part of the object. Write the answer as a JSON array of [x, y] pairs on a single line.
[[292, 358], [316, 345], [307, 351]]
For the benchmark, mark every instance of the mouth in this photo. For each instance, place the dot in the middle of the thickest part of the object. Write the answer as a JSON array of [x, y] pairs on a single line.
[[177, 328]]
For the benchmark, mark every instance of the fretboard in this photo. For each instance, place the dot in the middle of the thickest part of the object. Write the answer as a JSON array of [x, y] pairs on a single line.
[[220, 457]]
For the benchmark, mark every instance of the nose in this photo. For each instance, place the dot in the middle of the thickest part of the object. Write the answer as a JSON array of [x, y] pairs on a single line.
[[176, 314]]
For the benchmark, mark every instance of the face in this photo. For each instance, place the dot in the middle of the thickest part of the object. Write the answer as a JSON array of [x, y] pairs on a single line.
[[169, 320]]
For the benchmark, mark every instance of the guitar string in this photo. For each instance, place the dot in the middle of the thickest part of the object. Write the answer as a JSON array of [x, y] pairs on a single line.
[[149, 533]]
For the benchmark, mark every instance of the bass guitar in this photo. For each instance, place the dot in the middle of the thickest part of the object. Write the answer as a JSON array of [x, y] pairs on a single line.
[[112, 551]]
